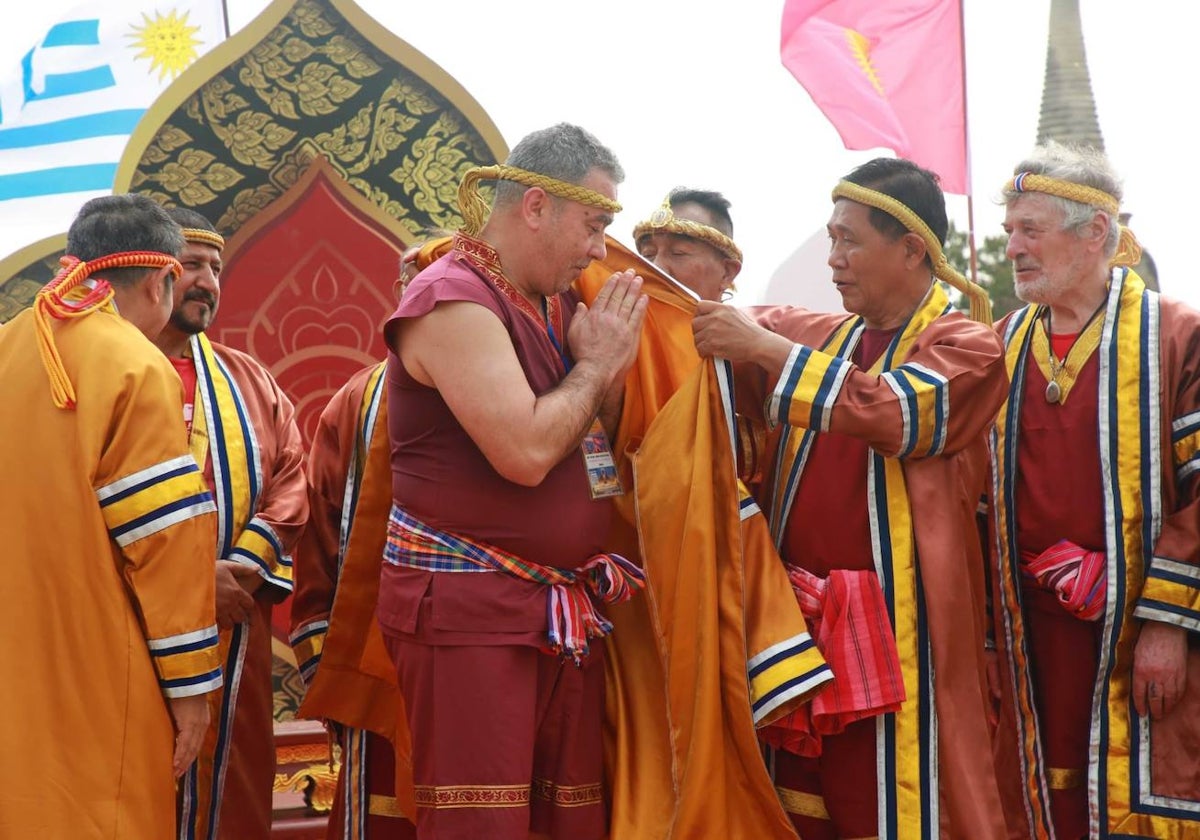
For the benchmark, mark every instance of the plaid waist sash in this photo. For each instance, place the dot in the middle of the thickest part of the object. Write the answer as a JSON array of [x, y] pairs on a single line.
[[574, 594], [848, 619], [1078, 577]]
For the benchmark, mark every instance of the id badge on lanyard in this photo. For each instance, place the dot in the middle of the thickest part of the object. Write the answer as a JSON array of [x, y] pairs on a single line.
[[603, 480]]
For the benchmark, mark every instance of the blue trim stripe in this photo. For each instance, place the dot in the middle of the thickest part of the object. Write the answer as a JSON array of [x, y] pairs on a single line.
[[1172, 577], [940, 420], [103, 124], [802, 356], [152, 481], [787, 653], [220, 461], [317, 628], [1189, 424], [183, 682], [826, 393], [1172, 609], [784, 688], [247, 434], [158, 513], [199, 644], [259, 527], [73, 33], [88, 177]]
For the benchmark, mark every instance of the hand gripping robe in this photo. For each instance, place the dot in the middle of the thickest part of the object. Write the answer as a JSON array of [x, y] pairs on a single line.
[[244, 432], [333, 609], [107, 583], [718, 646], [1135, 501], [923, 409]]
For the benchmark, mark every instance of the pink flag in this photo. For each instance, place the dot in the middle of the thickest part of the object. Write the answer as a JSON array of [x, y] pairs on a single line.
[[887, 73]]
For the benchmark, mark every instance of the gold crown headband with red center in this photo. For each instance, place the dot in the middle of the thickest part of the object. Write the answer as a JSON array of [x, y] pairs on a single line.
[[664, 220]]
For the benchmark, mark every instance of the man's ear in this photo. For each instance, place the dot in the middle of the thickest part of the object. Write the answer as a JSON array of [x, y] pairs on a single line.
[[159, 284], [915, 249], [535, 205], [732, 269]]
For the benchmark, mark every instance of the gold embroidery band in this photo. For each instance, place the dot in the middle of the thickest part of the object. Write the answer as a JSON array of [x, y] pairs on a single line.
[[981, 306], [1129, 250], [385, 806], [802, 804], [204, 237], [1061, 778], [472, 796], [567, 796], [663, 220], [474, 209]]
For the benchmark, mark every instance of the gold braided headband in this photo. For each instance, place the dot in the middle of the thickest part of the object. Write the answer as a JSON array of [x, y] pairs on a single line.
[[981, 305], [474, 209], [1129, 250], [205, 237], [51, 302], [663, 220]]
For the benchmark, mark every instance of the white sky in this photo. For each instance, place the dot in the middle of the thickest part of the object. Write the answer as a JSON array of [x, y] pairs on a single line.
[[691, 92]]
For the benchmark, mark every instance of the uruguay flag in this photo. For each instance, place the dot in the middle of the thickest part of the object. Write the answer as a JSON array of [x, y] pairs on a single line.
[[69, 104]]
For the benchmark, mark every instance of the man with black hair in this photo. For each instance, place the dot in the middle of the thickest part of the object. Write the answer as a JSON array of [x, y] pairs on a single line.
[[242, 430], [876, 457], [108, 630]]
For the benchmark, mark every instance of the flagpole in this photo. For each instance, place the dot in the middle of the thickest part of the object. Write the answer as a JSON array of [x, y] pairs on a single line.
[[225, 9], [962, 39]]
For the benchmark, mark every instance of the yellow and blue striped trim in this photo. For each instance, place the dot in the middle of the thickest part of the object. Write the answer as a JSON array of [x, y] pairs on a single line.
[[1036, 791], [308, 642], [786, 670], [795, 444], [808, 389], [1185, 445], [925, 407], [184, 662], [153, 499]]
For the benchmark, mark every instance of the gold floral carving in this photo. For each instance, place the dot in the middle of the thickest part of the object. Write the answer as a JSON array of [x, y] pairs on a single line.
[[317, 782]]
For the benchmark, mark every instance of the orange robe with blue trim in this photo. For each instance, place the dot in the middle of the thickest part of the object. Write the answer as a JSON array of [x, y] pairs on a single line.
[[108, 586]]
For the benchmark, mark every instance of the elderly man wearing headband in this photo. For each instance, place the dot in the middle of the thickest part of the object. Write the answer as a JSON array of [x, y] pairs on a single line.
[[1097, 463], [691, 238], [243, 432], [502, 483], [108, 629], [876, 461]]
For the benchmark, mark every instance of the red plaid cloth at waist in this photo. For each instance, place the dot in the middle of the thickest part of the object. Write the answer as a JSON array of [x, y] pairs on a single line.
[[848, 619], [572, 600], [1077, 576]]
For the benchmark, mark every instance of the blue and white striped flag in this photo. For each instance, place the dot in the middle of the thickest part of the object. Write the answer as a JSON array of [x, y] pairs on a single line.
[[69, 104]]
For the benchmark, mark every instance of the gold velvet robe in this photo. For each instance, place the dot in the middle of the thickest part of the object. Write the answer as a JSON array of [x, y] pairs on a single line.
[[108, 587]]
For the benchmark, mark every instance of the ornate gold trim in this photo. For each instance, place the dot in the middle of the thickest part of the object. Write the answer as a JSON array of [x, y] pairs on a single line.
[[1062, 778], [802, 804], [385, 806], [319, 168], [237, 45], [301, 753], [29, 254]]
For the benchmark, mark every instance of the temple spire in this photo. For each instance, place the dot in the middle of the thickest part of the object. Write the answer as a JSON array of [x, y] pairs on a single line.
[[1068, 107]]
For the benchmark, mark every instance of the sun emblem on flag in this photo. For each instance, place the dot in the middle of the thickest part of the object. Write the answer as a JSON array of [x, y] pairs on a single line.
[[168, 42]]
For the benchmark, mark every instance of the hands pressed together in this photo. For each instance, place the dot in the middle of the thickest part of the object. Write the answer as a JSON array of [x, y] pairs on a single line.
[[607, 332]]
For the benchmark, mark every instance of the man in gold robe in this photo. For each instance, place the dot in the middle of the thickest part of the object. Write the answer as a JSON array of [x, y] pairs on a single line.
[[108, 631]]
